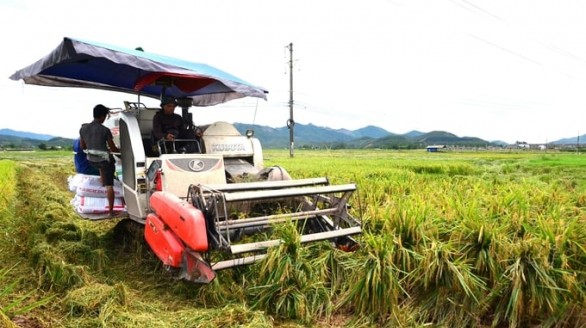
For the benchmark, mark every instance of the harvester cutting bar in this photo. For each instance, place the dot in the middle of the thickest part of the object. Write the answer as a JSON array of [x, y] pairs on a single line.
[[252, 247]]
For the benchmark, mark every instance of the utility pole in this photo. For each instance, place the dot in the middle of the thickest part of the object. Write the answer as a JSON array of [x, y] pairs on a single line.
[[291, 122]]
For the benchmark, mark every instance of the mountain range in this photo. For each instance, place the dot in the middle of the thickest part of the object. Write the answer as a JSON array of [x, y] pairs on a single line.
[[312, 136], [20, 139], [305, 136], [370, 137]]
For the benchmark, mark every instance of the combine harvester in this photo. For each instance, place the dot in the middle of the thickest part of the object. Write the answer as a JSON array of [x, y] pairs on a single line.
[[210, 209]]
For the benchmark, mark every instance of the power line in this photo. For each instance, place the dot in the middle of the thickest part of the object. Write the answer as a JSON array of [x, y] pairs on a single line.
[[506, 50]]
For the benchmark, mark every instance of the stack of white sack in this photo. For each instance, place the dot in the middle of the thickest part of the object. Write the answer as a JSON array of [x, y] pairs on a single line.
[[91, 197]]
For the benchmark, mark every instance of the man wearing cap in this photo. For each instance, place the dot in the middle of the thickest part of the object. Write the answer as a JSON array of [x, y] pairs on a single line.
[[97, 142], [167, 125]]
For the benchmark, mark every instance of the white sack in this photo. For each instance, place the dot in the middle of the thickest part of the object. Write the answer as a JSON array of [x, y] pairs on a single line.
[[85, 204], [92, 187]]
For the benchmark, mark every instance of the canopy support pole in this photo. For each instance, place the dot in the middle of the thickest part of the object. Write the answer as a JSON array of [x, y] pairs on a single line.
[[291, 122]]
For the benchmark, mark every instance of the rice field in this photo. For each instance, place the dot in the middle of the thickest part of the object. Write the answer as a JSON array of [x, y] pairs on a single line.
[[472, 239]]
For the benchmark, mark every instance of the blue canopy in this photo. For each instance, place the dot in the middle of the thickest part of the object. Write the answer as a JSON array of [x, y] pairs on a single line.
[[85, 64]]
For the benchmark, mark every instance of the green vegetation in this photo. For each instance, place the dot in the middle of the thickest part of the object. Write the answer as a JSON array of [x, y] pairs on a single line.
[[450, 239], [18, 143]]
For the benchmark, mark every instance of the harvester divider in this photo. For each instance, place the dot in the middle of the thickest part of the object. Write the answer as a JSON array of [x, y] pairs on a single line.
[[258, 246]]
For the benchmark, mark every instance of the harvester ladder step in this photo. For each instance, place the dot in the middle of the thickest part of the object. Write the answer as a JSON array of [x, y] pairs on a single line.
[[252, 247]]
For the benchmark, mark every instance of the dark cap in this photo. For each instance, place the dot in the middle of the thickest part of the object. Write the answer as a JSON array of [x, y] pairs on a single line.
[[168, 100], [101, 111]]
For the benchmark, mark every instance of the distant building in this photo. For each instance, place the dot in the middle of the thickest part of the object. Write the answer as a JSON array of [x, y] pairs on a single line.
[[522, 145], [435, 148], [527, 146]]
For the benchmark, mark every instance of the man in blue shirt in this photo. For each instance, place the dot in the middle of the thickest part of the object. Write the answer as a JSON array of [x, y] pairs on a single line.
[[80, 160]]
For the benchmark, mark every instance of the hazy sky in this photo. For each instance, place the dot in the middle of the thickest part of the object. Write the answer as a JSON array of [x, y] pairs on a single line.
[[496, 69]]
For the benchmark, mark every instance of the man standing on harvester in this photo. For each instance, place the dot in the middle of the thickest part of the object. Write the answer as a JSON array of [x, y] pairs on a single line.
[[98, 143]]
